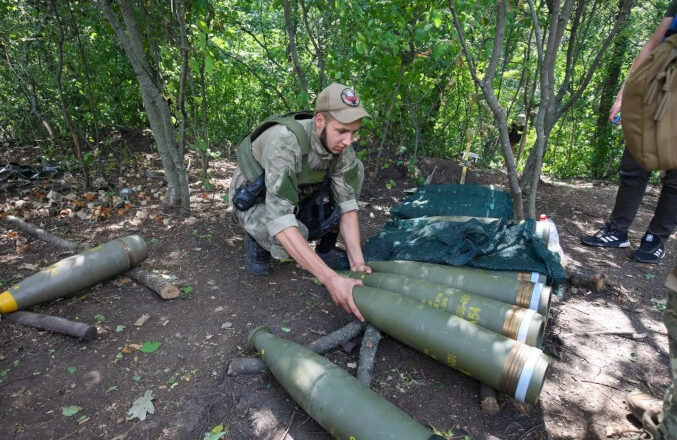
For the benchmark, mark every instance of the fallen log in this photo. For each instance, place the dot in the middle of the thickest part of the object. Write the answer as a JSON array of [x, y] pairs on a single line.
[[53, 323], [579, 277], [339, 337], [368, 350], [326, 343], [43, 235], [154, 282]]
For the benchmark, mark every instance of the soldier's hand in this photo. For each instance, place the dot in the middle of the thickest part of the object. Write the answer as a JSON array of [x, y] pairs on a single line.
[[615, 108], [341, 291], [361, 268]]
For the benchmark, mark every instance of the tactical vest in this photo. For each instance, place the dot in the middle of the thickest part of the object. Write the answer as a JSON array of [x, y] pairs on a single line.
[[251, 168]]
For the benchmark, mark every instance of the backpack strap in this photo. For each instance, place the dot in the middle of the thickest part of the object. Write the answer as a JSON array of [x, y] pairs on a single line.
[[245, 158]]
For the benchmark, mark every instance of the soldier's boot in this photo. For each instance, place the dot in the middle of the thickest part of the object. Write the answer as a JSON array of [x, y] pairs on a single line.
[[257, 260], [646, 409], [332, 256]]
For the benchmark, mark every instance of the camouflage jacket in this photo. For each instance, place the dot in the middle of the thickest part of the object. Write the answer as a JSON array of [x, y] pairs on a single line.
[[279, 154]]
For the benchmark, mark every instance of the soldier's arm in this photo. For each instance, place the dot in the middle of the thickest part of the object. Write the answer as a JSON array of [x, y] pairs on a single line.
[[346, 183], [350, 231], [281, 159], [340, 288]]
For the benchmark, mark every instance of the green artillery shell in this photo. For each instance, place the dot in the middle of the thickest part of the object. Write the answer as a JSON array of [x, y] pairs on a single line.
[[509, 366], [532, 277], [75, 273], [534, 296], [523, 325], [541, 229], [335, 399]]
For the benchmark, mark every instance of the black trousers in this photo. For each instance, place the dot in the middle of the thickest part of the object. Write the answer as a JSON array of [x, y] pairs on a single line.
[[633, 183]]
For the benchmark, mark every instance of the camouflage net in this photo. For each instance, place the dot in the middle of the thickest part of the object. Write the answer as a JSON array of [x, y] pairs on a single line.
[[500, 245], [466, 200]]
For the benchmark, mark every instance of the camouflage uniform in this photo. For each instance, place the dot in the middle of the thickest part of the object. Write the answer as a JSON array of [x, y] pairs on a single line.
[[668, 425], [278, 152]]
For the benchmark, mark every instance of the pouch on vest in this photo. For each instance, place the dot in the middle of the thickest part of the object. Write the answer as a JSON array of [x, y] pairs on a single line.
[[319, 212], [250, 193], [649, 109]]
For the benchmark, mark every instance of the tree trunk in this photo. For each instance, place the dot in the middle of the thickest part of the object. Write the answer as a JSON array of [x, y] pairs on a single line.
[[552, 107], [603, 139], [26, 80], [88, 80], [64, 106], [157, 108], [317, 43], [184, 49], [487, 90], [291, 47], [389, 115]]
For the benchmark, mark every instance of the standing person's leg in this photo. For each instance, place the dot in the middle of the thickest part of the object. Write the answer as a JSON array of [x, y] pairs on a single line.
[[664, 220], [631, 189], [633, 181], [652, 248]]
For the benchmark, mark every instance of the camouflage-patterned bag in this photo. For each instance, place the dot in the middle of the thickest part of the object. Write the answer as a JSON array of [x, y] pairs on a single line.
[[649, 109]]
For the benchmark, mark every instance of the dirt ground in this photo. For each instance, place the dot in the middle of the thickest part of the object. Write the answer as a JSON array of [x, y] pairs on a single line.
[[602, 345]]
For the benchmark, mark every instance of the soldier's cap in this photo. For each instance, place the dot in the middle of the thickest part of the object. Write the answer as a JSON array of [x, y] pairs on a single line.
[[341, 102]]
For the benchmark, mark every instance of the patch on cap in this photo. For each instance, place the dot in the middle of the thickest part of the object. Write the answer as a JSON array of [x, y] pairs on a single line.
[[349, 97]]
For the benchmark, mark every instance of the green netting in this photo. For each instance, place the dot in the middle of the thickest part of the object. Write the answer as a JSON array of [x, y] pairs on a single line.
[[501, 245], [467, 200]]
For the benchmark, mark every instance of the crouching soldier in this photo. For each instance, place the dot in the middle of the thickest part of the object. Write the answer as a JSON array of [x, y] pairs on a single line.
[[298, 180]]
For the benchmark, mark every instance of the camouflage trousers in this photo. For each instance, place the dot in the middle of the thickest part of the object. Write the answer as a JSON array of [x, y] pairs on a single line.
[[668, 423], [254, 220]]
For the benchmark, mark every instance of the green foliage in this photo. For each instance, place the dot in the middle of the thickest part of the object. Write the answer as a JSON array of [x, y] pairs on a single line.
[[404, 58]]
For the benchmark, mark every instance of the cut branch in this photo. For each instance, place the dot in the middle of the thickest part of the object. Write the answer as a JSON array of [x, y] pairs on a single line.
[[53, 323]]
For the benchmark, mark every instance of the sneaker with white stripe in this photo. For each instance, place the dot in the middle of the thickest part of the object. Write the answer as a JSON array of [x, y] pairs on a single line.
[[650, 250], [607, 237]]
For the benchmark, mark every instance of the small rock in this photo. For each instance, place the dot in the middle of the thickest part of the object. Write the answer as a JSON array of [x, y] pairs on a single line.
[[351, 364], [100, 182], [142, 214], [154, 174], [60, 187], [227, 325], [54, 196], [190, 221], [142, 320]]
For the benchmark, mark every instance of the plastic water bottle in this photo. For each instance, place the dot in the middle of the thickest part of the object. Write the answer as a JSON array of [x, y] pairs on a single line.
[[553, 237]]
